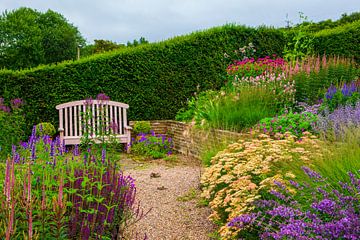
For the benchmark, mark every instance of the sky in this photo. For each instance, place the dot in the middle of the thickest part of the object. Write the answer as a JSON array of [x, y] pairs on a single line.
[[156, 20]]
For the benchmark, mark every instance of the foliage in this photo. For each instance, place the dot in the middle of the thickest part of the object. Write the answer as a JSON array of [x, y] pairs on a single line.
[[256, 89], [348, 93], [340, 156], [194, 105], [244, 53], [155, 79], [301, 43], [105, 45], [45, 128], [294, 123], [29, 38], [105, 131], [237, 109], [244, 170], [314, 75], [211, 150], [331, 213], [142, 127], [250, 68], [12, 124], [48, 194], [152, 145], [335, 125], [339, 41], [329, 24], [278, 84], [100, 46], [136, 43]]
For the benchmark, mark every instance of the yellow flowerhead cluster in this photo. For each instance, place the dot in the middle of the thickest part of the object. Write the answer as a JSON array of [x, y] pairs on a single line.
[[245, 169]]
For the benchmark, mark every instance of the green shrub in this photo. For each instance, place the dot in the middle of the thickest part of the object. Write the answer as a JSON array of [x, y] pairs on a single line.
[[339, 41], [45, 128], [45, 196], [294, 123], [346, 94], [314, 75], [142, 127], [12, 126], [236, 110], [154, 79], [152, 145]]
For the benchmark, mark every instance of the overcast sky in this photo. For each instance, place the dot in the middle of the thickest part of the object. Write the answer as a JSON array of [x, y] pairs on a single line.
[[125, 20]]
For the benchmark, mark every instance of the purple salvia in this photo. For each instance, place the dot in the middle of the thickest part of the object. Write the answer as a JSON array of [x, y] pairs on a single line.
[[76, 150], [330, 92], [52, 148], [103, 155]]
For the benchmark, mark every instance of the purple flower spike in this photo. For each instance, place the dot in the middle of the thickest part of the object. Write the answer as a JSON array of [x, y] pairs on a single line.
[[312, 174], [331, 92], [103, 155]]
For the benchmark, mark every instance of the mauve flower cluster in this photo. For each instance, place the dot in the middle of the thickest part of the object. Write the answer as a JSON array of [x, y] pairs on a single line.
[[339, 121], [333, 213]]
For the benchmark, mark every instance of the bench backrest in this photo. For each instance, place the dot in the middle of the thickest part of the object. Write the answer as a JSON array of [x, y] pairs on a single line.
[[71, 117]]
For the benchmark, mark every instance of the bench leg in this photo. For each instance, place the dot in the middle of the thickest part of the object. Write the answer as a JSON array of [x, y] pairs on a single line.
[[128, 142]]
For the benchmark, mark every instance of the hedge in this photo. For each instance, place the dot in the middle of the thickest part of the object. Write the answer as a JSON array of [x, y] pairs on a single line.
[[343, 41], [154, 79]]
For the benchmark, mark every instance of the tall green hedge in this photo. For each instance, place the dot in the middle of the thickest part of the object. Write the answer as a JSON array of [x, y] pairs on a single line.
[[343, 41], [154, 79]]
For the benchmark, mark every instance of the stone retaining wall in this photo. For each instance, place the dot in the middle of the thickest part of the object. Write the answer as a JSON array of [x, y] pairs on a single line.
[[190, 140]]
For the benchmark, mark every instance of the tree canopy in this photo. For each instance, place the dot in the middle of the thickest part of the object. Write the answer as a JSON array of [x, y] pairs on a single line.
[[29, 38]]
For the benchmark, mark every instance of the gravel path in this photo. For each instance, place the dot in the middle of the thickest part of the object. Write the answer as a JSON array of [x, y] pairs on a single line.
[[172, 192]]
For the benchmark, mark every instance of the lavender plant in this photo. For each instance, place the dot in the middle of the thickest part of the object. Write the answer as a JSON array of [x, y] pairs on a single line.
[[333, 212], [334, 125]]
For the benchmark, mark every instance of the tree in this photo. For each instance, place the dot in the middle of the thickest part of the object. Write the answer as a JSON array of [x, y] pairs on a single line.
[[135, 43], [100, 46], [29, 38]]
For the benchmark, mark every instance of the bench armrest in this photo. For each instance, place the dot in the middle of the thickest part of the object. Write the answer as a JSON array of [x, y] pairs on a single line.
[[128, 128], [60, 129]]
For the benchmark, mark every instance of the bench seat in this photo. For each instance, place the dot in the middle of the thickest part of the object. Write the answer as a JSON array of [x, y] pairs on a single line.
[[106, 117]]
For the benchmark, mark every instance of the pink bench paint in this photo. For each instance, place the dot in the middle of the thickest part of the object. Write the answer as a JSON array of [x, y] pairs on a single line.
[[70, 120]]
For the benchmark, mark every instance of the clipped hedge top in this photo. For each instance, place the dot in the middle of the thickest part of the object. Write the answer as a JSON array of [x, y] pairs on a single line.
[[171, 42], [340, 29]]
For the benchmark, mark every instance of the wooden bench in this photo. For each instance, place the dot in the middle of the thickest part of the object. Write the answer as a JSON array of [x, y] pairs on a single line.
[[108, 116]]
